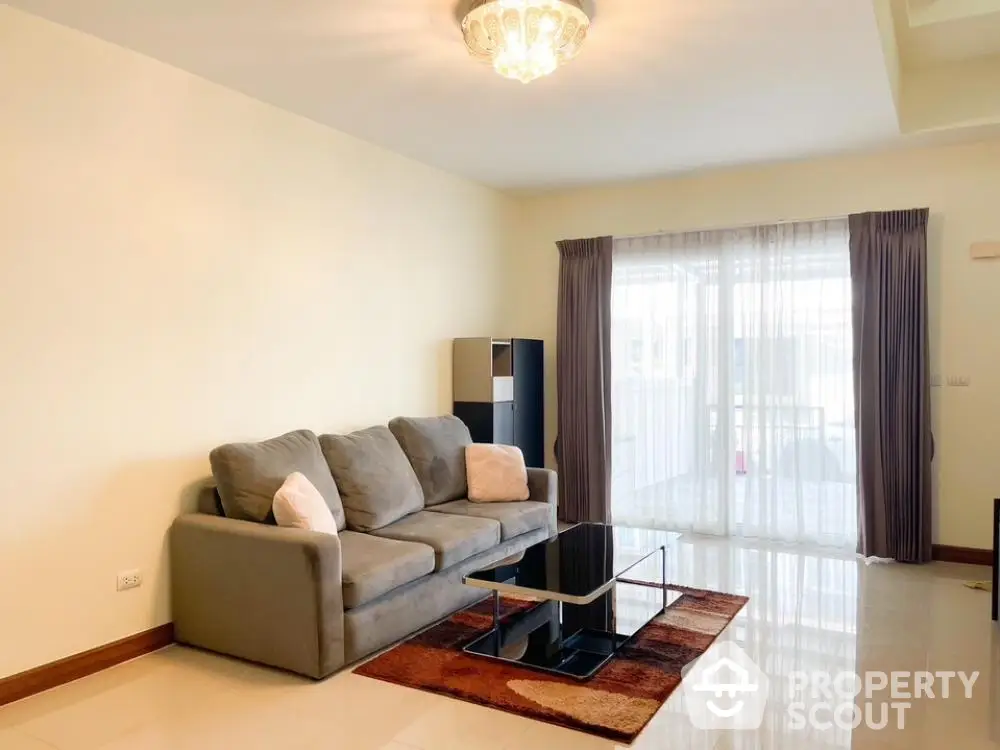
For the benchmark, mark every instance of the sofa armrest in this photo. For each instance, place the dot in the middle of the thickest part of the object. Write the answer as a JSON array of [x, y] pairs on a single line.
[[543, 488], [272, 595]]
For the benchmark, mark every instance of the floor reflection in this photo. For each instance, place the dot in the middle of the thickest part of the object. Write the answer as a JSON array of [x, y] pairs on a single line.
[[818, 612]]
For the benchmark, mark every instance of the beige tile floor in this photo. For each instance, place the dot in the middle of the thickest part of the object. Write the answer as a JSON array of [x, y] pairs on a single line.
[[808, 611]]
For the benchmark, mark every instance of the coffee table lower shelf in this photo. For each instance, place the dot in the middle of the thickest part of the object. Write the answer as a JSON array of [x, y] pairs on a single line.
[[542, 638], [579, 656], [578, 616]]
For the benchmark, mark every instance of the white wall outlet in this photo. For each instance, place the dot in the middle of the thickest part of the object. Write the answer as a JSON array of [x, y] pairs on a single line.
[[129, 579], [959, 381]]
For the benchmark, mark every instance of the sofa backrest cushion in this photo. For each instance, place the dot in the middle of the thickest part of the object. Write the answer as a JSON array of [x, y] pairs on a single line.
[[248, 474], [376, 482], [435, 447]]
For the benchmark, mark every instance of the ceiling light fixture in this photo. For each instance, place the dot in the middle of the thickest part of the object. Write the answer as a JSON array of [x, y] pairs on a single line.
[[525, 39]]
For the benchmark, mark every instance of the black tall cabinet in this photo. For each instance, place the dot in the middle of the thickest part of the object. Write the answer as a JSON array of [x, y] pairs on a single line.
[[499, 392]]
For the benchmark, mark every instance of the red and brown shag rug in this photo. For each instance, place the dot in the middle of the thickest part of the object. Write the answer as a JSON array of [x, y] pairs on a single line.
[[616, 704]]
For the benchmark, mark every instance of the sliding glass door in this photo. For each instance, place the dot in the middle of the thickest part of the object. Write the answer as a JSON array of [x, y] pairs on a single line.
[[732, 384]]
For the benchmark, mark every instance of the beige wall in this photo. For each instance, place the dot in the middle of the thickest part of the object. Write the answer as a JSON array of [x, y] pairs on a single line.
[[181, 266], [960, 184]]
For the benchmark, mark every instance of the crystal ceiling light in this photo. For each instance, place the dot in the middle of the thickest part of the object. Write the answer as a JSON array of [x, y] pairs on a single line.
[[525, 39]]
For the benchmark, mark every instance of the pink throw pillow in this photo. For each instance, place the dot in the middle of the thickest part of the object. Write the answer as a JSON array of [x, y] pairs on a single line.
[[496, 473], [299, 505]]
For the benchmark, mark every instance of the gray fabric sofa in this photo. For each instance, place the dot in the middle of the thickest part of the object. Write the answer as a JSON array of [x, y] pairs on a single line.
[[310, 602]]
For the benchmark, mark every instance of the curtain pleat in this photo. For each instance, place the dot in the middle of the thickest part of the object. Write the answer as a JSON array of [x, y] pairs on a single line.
[[892, 383], [583, 375]]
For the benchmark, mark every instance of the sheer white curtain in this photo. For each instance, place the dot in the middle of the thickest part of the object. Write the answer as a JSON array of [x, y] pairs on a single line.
[[732, 383]]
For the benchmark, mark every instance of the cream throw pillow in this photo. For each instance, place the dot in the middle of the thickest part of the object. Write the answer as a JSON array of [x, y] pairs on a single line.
[[299, 505], [496, 473]]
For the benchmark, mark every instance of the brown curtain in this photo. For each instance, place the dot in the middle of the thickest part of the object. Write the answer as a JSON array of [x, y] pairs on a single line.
[[583, 377], [892, 383]]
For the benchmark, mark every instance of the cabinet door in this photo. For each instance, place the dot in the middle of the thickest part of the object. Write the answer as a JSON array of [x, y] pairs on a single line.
[[529, 400], [478, 417], [503, 422]]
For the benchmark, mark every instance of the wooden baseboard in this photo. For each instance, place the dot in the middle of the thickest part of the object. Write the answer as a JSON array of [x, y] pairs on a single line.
[[967, 555], [71, 668]]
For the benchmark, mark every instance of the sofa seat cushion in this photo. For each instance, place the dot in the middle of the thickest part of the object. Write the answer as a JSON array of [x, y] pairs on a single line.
[[514, 518], [453, 537], [372, 566]]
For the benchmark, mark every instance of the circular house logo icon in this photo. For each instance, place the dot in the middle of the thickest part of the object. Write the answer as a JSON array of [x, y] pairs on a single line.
[[725, 689]]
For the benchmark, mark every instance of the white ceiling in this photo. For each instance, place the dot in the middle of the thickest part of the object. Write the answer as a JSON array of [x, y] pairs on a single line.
[[662, 85]]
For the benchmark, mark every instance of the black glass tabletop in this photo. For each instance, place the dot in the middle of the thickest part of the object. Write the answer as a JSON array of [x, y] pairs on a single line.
[[576, 566]]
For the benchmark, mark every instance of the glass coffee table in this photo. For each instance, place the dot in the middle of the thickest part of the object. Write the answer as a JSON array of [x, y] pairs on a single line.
[[587, 609]]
